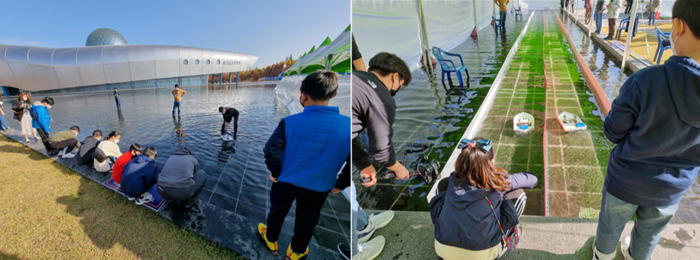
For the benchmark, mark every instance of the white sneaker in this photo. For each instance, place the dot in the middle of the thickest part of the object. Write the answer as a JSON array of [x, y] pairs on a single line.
[[130, 198], [625, 247], [68, 155], [370, 249], [146, 199], [375, 222], [62, 152], [37, 138], [597, 255]]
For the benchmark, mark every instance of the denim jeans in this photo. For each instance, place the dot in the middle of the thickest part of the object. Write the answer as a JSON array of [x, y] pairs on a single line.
[[176, 105], [652, 18], [650, 221], [503, 19], [359, 217], [598, 21], [3, 124]]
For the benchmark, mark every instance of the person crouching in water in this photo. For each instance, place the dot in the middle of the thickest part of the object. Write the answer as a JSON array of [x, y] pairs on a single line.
[[229, 113], [139, 176], [181, 178], [465, 224]]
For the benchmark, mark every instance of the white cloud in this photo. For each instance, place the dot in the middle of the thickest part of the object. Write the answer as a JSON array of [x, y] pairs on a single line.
[[23, 42]]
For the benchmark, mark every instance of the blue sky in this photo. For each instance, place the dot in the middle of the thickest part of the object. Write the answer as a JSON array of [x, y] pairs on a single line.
[[269, 29]]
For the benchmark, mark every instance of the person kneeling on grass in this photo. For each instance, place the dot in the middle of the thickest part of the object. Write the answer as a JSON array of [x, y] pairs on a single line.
[[181, 178], [140, 174], [87, 148], [304, 155], [465, 223], [64, 142], [107, 152], [123, 160]]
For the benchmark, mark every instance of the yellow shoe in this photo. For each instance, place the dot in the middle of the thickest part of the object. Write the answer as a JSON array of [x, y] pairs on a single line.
[[291, 255], [262, 230]]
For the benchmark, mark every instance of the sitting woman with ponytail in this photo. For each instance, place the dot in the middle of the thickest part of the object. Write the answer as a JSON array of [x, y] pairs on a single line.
[[466, 226]]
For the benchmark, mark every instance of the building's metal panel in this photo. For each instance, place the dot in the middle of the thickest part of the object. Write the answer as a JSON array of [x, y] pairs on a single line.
[[90, 65], [42, 67], [116, 64], [50, 68], [191, 55], [17, 58], [66, 66], [6, 77], [142, 62], [212, 56], [167, 59]]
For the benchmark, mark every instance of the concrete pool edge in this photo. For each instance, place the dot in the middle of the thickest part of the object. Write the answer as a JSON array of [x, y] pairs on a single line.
[[484, 108], [410, 235], [229, 229], [591, 81], [633, 63]]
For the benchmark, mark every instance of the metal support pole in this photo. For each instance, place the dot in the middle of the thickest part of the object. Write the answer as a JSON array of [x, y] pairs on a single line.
[[476, 25], [427, 58], [221, 79], [629, 34], [238, 76]]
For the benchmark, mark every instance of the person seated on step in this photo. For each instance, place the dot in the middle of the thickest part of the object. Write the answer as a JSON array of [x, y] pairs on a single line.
[[229, 113], [64, 142], [181, 178], [110, 150], [118, 167], [140, 174], [88, 147], [465, 223]]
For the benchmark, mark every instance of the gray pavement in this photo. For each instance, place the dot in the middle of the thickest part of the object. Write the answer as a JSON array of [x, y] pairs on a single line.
[[410, 236]]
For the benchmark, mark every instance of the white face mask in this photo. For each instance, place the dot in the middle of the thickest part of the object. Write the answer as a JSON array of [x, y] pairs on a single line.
[[673, 42], [48, 106], [0, 103], [25, 98], [116, 141]]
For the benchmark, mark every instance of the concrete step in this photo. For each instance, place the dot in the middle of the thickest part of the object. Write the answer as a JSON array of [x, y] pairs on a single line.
[[410, 236]]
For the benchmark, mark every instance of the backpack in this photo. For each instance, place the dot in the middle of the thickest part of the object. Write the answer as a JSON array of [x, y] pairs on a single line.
[[33, 114]]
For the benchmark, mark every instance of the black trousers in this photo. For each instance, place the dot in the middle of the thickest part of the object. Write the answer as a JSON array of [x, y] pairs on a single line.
[[188, 195], [44, 138], [309, 204], [70, 143], [235, 126]]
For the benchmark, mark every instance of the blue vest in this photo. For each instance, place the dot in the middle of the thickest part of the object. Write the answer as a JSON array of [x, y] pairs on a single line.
[[317, 144]]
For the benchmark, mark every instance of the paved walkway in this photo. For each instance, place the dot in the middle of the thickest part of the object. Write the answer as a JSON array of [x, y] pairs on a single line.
[[410, 236]]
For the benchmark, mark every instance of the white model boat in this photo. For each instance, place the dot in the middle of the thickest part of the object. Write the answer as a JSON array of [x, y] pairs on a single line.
[[523, 123], [570, 122]]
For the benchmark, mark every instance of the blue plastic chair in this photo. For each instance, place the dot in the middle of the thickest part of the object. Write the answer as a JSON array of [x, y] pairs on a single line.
[[497, 24], [661, 36], [619, 28], [448, 66]]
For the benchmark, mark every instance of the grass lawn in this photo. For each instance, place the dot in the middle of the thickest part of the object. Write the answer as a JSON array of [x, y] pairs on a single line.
[[48, 211]]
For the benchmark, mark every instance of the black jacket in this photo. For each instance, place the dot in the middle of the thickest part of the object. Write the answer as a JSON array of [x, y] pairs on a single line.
[[230, 114], [87, 150], [374, 109], [18, 111], [465, 219]]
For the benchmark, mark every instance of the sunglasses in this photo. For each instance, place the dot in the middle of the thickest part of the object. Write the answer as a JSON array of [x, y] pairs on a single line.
[[484, 144]]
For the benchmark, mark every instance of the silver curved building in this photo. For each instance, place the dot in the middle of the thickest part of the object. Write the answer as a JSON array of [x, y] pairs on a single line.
[[113, 63]]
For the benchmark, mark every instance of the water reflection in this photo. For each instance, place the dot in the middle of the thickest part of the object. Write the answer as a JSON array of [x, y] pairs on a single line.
[[178, 132], [227, 149], [121, 116]]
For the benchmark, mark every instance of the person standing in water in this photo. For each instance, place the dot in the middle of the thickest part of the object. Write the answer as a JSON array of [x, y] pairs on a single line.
[[178, 94], [117, 96], [229, 113]]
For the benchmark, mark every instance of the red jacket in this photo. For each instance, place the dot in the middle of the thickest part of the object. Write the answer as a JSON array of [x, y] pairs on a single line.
[[118, 167]]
